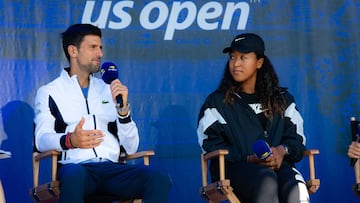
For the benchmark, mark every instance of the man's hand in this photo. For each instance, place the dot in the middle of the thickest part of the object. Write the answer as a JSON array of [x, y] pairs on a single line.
[[85, 139], [354, 150], [117, 88]]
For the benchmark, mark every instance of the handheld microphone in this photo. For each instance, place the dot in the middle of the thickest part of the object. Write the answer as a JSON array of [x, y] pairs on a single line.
[[261, 149], [109, 73], [353, 160]]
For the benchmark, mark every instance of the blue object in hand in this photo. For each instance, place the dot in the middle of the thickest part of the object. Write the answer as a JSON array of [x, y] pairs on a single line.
[[262, 149]]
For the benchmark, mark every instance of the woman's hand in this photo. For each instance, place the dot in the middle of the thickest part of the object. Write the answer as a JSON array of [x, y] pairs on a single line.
[[276, 158]]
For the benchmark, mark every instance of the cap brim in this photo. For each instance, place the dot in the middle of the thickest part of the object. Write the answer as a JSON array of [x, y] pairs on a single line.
[[227, 50]]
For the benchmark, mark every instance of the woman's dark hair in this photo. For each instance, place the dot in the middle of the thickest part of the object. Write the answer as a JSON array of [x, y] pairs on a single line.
[[267, 88], [75, 34]]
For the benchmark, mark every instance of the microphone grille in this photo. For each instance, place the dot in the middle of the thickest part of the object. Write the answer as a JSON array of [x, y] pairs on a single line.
[[262, 149], [109, 72]]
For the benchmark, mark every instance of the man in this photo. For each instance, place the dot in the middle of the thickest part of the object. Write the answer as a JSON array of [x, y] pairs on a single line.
[[77, 115]]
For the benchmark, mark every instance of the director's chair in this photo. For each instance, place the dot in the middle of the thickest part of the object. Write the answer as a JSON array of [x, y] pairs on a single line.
[[221, 190], [49, 192]]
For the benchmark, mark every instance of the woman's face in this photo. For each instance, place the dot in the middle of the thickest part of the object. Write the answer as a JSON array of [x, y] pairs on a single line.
[[243, 67]]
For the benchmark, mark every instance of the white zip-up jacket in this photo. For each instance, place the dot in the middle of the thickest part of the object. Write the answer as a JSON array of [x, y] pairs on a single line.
[[59, 107]]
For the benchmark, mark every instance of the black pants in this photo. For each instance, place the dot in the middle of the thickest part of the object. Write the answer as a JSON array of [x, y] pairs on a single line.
[[253, 183]]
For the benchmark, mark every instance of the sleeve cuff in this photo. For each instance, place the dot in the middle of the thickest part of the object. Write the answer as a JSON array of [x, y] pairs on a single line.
[[62, 142], [125, 119]]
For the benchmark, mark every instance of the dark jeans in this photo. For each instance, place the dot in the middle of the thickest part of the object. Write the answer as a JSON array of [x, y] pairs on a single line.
[[112, 179]]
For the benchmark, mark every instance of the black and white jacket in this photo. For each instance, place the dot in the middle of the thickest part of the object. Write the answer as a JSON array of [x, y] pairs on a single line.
[[237, 126]]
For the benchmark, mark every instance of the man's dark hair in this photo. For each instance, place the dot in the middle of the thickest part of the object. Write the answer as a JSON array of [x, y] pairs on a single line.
[[75, 34]]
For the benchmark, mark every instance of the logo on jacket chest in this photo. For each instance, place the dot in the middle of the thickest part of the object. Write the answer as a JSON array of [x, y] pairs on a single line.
[[256, 108]]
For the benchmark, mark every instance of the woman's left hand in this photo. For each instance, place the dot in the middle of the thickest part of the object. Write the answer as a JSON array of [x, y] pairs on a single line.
[[275, 160]]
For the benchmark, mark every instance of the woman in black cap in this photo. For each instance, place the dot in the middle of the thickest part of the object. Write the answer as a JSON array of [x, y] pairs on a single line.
[[249, 106]]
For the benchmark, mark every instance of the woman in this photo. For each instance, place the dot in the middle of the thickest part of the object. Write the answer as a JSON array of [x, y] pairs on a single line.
[[248, 106]]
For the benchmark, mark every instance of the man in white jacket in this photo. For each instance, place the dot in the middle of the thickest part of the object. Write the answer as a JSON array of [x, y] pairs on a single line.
[[77, 115]]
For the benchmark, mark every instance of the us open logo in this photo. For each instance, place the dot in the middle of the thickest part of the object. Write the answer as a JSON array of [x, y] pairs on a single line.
[[154, 15]]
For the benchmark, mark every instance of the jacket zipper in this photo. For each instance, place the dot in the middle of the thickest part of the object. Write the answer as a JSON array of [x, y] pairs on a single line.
[[94, 120]]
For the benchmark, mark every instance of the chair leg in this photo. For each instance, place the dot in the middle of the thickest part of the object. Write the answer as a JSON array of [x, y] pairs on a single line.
[[219, 191], [232, 198]]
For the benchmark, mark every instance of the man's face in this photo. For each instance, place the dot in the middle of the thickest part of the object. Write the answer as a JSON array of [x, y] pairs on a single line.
[[89, 54]]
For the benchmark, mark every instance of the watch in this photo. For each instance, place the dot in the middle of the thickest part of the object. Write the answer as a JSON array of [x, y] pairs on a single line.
[[123, 109], [286, 149]]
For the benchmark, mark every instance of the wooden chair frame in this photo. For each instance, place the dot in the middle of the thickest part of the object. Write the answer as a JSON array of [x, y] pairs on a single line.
[[222, 190], [49, 192]]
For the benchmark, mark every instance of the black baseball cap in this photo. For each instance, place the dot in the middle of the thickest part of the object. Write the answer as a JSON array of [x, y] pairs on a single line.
[[245, 43]]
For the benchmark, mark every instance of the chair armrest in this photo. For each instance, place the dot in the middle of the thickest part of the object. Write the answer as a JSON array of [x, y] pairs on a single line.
[[313, 184], [220, 154], [142, 154], [37, 157], [220, 190], [215, 154], [43, 155], [311, 152]]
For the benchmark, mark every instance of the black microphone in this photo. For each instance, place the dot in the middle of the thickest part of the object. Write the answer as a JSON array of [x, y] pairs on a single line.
[[110, 73], [353, 160], [261, 149]]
